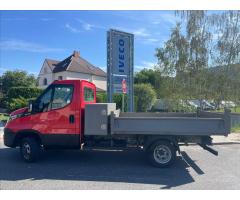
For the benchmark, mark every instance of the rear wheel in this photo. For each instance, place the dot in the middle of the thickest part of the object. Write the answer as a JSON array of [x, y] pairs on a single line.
[[30, 149], [161, 154]]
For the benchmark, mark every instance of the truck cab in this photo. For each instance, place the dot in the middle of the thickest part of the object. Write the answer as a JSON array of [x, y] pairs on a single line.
[[54, 119]]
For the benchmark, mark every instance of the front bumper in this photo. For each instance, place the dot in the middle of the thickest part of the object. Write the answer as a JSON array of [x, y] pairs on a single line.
[[9, 138]]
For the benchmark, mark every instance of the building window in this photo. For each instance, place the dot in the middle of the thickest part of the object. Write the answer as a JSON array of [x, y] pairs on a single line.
[[60, 78], [44, 81]]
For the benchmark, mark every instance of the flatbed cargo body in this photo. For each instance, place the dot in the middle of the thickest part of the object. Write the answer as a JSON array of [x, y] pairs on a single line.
[[202, 124], [174, 124]]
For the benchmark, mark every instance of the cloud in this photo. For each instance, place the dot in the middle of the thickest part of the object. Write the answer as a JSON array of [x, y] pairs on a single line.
[[88, 27], [138, 32], [72, 29], [20, 45], [2, 69], [84, 27], [152, 41], [170, 18], [149, 17], [144, 65], [141, 32]]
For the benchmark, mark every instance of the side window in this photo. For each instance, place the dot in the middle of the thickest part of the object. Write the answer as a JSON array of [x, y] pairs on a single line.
[[88, 94], [43, 103], [62, 96]]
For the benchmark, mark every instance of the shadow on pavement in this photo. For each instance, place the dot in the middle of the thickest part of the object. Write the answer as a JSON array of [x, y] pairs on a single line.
[[109, 166], [191, 163]]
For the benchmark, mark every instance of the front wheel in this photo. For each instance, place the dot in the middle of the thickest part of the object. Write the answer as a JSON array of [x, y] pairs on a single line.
[[161, 154], [29, 149]]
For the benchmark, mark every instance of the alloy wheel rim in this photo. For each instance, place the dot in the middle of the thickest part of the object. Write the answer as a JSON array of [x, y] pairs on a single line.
[[26, 150], [162, 154]]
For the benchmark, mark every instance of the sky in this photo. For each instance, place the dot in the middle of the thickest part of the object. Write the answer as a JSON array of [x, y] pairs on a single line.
[[29, 37]]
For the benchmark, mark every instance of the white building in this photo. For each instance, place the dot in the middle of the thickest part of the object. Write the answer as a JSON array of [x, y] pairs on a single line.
[[73, 67]]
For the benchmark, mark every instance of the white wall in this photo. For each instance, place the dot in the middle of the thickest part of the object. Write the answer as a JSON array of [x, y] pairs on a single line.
[[78, 76], [43, 75], [100, 82]]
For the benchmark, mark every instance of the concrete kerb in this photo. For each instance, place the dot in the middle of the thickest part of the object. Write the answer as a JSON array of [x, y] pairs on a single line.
[[233, 138]]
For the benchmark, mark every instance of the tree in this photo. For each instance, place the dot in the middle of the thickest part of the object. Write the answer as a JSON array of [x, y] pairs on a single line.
[[227, 41], [185, 56], [227, 51], [173, 57], [22, 82], [17, 78], [145, 96], [148, 76], [151, 76]]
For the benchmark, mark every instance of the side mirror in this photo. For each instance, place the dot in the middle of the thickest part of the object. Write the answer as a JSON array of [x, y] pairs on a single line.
[[30, 106]]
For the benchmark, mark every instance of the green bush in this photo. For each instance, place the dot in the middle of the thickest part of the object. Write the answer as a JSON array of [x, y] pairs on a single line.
[[3, 102], [25, 92], [4, 117], [146, 95], [101, 97], [117, 98], [235, 129], [17, 103]]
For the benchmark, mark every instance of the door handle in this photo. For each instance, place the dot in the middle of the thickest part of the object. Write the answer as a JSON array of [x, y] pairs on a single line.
[[71, 119]]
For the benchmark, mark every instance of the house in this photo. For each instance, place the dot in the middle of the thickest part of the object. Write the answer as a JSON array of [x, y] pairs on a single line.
[[73, 67]]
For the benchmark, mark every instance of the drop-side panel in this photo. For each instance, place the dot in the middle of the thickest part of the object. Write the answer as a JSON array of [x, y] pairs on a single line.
[[169, 125]]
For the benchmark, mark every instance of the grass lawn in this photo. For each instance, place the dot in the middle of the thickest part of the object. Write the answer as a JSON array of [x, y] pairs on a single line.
[[235, 129], [233, 110]]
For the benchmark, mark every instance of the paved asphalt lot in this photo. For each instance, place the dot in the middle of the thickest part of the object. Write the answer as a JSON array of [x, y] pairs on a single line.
[[196, 169]]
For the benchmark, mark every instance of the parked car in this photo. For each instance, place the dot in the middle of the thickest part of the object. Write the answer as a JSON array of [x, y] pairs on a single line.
[[228, 104]]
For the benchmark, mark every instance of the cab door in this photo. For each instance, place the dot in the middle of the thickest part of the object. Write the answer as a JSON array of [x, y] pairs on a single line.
[[88, 96], [56, 116]]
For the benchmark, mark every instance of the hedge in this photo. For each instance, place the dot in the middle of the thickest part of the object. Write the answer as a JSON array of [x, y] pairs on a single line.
[[117, 98], [25, 92], [146, 96]]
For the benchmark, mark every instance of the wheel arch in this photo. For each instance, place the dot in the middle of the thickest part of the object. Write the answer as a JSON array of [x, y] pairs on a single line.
[[27, 133], [149, 140]]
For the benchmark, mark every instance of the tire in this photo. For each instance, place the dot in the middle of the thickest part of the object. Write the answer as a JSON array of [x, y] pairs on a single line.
[[29, 149], [161, 154]]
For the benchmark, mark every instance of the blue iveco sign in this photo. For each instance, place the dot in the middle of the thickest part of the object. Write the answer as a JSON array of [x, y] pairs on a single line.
[[120, 63], [121, 55]]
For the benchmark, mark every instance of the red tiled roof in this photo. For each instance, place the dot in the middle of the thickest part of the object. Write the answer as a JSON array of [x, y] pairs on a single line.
[[51, 63]]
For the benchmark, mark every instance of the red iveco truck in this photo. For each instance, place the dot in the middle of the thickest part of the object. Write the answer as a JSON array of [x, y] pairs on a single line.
[[66, 115]]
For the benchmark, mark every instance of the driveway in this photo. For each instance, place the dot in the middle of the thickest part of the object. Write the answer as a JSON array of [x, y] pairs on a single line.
[[195, 169]]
